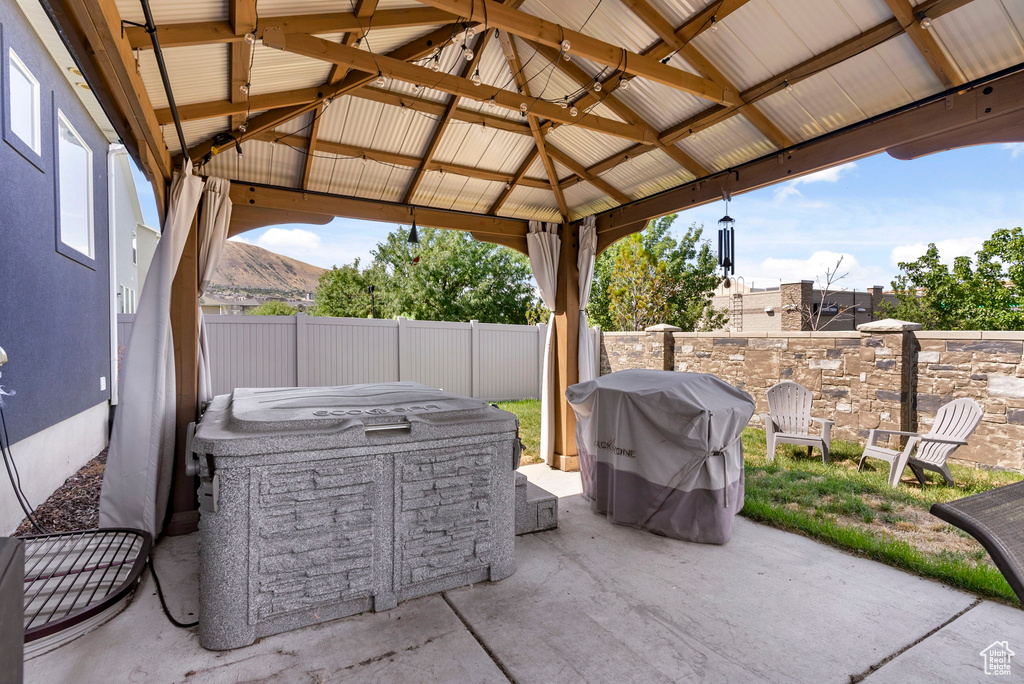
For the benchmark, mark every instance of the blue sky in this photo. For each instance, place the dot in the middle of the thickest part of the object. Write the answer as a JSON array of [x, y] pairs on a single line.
[[875, 212]]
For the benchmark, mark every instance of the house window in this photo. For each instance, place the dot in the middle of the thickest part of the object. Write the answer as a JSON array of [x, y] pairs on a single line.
[[126, 300], [74, 189], [23, 104]]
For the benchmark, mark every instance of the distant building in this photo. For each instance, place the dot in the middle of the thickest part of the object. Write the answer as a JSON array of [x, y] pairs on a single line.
[[229, 306], [791, 306]]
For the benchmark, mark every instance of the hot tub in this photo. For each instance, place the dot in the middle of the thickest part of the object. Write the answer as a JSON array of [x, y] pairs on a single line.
[[317, 503]]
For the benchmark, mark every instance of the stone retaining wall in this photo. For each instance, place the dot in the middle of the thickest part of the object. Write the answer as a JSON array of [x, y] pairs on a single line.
[[861, 380]]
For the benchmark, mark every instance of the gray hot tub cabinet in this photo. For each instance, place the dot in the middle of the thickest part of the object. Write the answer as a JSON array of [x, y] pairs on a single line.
[[317, 503]]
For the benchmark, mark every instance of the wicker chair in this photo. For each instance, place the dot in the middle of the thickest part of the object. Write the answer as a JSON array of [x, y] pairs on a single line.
[[996, 519], [789, 419], [954, 423]]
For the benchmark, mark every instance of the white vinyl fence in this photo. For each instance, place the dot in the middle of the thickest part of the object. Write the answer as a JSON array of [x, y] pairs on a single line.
[[483, 360]]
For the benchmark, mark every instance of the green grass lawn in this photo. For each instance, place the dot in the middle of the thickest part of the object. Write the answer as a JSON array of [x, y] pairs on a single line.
[[854, 511], [528, 412]]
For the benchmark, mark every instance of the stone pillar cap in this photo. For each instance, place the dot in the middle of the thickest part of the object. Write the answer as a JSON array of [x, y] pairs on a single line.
[[663, 327], [888, 325]]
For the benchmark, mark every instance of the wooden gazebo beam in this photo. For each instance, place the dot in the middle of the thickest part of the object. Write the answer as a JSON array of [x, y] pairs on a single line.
[[288, 205], [958, 119], [363, 61], [442, 122], [214, 32], [294, 140], [551, 34]]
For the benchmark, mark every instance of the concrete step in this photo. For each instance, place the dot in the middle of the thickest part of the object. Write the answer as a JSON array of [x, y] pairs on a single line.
[[536, 509]]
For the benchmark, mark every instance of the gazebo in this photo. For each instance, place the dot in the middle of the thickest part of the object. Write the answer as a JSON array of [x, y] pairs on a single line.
[[482, 116]]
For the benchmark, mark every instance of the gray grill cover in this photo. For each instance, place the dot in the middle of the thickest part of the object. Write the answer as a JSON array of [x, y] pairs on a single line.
[[661, 451]]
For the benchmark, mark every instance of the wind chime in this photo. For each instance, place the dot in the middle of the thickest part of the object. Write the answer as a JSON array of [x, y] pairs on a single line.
[[414, 238], [726, 242]]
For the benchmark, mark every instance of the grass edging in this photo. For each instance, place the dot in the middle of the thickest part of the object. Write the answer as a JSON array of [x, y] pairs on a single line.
[[984, 580]]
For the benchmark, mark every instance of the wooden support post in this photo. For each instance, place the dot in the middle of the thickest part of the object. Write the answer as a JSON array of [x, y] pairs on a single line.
[[183, 513], [567, 340]]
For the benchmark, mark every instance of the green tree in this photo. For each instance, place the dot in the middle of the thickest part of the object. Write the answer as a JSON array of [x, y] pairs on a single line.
[[341, 292], [650, 278], [447, 276], [456, 278], [984, 296], [274, 307]]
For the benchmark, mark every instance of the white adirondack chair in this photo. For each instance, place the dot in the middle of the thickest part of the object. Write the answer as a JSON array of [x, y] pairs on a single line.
[[954, 423], [789, 419]]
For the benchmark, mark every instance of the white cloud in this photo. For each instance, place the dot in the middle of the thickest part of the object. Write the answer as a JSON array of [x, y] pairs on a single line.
[[289, 240], [830, 175], [1016, 149], [948, 250], [239, 238], [773, 269]]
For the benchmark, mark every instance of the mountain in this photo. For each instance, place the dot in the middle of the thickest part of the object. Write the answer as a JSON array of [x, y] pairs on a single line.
[[245, 267]]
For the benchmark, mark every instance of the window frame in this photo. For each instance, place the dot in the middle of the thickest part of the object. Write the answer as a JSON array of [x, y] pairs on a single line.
[[30, 153], [64, 248]]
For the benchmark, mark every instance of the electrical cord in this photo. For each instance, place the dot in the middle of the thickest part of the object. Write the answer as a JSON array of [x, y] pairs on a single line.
[[15, 476], [163, 603]]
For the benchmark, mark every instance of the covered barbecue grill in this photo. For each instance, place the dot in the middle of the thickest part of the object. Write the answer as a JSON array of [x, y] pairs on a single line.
[[661, 451], [317, 503]]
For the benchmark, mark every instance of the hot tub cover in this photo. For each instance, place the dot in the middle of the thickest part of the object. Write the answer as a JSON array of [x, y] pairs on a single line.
[[661, 451]]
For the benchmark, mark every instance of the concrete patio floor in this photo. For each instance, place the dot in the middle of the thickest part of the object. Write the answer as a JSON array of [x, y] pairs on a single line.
[[589, 602]]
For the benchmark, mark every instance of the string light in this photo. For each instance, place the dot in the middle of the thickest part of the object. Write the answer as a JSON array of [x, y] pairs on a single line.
[[566, 45], [476, 78], [250, 38], [597, 86], [467, 52], [491, 103], [714, 25], [693, 134], [436, 64], [523, 107], [380, 80], [470, 32], [926, 23], [573, 111], [564, 103], [243, 126], [244, 88], [789, 88], [624, 84]]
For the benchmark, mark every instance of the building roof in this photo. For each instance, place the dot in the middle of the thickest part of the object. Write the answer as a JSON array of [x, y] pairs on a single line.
[[688, 88]]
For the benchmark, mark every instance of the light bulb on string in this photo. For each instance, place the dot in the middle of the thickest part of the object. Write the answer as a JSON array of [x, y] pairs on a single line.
[[789, 88], [624, 84], [564, 104], [476, 78], [467, 52], [380, 81], [436, 64], [523, 107], [714, 25], [597, 86], [926, 23], [573, 111], [244, 88], [250, 38], [470, 32]]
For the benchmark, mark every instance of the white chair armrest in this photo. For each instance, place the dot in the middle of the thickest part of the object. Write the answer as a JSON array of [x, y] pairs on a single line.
[[943, 440], [897, 432], [769, 424]]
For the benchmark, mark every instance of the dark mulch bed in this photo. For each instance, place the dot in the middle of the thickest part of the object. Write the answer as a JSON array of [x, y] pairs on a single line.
[[76, 503]]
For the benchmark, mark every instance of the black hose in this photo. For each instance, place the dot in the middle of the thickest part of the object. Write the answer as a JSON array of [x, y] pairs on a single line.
[[163, 603], [15, 477]]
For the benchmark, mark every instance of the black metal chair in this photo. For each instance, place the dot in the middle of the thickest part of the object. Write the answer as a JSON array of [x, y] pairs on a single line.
[[996, 519], [77, 580]]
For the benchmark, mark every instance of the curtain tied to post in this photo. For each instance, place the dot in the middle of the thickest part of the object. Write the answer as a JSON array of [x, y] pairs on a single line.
[[588, 363], [543, 246]]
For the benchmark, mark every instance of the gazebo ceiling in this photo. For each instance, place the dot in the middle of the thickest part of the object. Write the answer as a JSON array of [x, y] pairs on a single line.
[[650, 94]]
